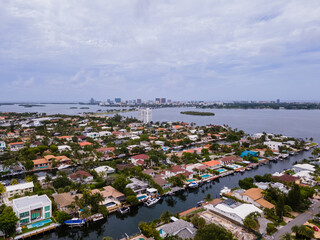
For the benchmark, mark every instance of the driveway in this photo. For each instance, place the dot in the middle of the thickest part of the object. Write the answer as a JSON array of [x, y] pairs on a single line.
[[299, 220]]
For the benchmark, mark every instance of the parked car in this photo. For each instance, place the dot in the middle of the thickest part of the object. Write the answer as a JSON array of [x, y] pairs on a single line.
[[315, 228]]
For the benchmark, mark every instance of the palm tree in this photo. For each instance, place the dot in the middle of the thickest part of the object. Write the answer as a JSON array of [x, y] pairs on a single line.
[[287, 236]]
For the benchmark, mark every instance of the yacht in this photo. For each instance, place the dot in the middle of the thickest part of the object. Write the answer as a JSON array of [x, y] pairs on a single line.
[[193, 185], [75, 222], [123, 210], [152, 201]]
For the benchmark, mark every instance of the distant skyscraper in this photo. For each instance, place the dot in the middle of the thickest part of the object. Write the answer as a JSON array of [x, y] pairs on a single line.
[[117, 100], [163, 100], [145, 115], [157, 100], [278, 100], [139, 101]]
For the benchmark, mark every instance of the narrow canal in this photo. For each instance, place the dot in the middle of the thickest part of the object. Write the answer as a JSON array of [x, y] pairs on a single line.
[[117, 225]]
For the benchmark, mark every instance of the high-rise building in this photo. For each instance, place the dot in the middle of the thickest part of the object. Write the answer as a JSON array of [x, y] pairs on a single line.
[[92, 101], [163, 100], [145, 115], [278, 100], [117, 100], [139, 101], [157, 100]]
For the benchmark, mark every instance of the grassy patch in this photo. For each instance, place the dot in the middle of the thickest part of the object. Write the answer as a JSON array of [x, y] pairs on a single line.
[[26, 229]]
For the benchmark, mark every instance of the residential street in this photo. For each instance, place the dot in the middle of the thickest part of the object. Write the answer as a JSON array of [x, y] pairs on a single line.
[[299, 220]]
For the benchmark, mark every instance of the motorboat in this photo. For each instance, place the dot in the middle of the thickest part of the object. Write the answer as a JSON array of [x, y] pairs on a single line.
[[63, 166], [193, 185], [152, 201], [123, 210], [75, 222], [225, 190]]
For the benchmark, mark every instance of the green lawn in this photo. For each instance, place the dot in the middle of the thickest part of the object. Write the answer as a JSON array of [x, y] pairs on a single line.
[[26, 229]]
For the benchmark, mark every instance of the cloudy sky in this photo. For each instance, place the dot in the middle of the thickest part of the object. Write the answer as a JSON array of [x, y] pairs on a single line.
[[183, 50]]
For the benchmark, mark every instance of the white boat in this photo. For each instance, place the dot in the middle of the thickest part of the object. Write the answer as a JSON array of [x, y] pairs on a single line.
[[152, 201], [193, 185], [123, 210], [63, 166], [225, 190]]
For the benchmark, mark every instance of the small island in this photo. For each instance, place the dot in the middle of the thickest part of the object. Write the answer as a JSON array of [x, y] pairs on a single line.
[[198, 113]]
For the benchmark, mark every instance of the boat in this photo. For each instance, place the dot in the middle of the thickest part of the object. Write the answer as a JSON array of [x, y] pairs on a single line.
[[123, 210], [97, 217], [242, 170], [225, 190], [73, 108], [199, 204], [75, 222], [193, 185], [152, 201], [63, 166], [84, 108]]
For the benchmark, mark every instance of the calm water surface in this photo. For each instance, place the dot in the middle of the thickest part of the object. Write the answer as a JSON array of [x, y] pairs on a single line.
[[296, 123]]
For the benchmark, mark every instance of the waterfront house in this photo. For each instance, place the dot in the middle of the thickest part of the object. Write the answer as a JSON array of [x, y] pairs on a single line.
[[112, 193], [286, 178], [58, 159], [213, 164], [137, 185], [233, 210], [18, 189], [255, 197], [64, 200], [180, 228], [303, 167], [273, 145], [161, 181], [2, 146], [32, 208], [174, 171], [81, 175], [230, 159], [16, 146], [41, 163]]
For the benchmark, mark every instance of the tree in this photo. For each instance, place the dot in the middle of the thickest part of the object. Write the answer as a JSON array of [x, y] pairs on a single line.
[[8, 221], [107, 238], [198, 222], [247, 183], [316, 152], [303, 232], [29, 178], [62, 216], [280, 206], [120, 183], [208, 197], [213, 232], [85, 212], [165, 216], [287, 236], [2, 188], [294, 197], [149, 230], [132, 199], [270, 228], [14, 182], [29, 165]]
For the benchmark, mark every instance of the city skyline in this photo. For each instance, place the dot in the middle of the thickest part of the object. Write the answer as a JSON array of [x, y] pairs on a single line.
[[70, 51]]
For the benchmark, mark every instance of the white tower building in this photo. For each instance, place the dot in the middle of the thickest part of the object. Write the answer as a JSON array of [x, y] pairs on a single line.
[[145, 115]]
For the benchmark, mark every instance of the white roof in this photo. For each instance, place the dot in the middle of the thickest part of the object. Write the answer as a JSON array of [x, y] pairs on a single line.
[[19, 186], [242, 211], [305, 166], [103, 169], [31, 201], [305, 174]]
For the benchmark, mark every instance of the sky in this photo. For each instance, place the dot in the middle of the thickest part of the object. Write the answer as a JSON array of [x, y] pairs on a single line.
[[178, 49]]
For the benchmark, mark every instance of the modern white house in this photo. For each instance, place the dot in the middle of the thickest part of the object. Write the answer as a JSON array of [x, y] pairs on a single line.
[[273, 145], [303, 167], [105, 169], [32, 208], [19, 189], [233, 210], [93, 135], [193, 137]]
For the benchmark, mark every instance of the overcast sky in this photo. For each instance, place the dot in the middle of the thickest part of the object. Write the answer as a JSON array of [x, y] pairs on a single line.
[[182, 50]]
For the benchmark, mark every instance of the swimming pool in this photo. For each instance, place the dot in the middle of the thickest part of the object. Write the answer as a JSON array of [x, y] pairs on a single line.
[[111, 204], [205, 176], [38, 224], [142, 197], [221, 170], [191, 180]]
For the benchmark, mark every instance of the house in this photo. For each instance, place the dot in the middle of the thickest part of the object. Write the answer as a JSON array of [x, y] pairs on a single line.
[[106, 169], [180, 228], [255, 197], [137, 185], [41, 163], [83, 144], [140, 157], [32, 208], [105, 150], [230, 159], [286, 178], [161, 181], [196, 166], [213, 164], [81, 175], [19, 189], [273, 145], [112, 193], [193, 137], [16, 146], [303, 167], [65, 138], [64, 148], [2, 146], [93, 135], [58, 159], [64, 200], [174, 171], [149, 171], [233, 210]]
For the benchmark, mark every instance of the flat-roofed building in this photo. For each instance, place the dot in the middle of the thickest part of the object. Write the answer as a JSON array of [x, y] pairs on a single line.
[[19, 189], [32, 208]]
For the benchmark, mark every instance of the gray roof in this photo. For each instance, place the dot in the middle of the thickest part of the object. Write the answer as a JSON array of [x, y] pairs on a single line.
[[180, 228]]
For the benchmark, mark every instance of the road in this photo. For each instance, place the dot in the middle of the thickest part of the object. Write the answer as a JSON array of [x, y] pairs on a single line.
[[299, 220]]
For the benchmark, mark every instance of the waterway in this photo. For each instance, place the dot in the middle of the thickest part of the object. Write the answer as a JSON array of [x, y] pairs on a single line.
[[296, 123]]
